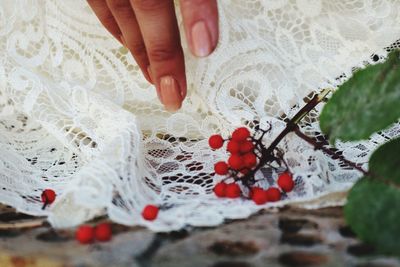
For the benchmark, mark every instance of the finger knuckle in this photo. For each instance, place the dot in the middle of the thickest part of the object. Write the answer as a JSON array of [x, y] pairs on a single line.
[[149, 5], [119, 6], [160, 53], [137, 49]]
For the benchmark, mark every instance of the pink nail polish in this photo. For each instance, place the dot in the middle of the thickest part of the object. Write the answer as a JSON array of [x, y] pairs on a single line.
[[170, 93], [201, 39]]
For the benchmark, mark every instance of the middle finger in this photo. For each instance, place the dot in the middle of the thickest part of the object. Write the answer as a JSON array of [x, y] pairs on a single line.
[[160, 32]]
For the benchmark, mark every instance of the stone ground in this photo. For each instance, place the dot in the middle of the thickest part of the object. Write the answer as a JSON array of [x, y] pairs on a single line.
[[292, 237]]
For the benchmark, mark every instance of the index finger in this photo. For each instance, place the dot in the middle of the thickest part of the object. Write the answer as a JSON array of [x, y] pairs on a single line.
[[160, 32]]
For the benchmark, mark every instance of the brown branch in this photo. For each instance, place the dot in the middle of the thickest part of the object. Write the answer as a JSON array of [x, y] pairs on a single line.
[[267, 155], [329, 152]]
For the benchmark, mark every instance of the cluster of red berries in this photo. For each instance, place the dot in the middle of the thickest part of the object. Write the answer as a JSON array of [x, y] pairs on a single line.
[[257, 194], [246, 153], [241, 148], [86, 234]]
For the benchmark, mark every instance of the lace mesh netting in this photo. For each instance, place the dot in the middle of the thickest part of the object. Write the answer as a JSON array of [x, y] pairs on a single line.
[[77, 116]]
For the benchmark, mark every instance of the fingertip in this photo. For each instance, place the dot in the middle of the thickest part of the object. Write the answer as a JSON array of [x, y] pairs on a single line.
[[201, 25], [183, 92], [170, 93], [148, 75]]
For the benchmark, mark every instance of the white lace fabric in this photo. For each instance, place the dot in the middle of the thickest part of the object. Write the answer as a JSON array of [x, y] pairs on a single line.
[[77, 116]]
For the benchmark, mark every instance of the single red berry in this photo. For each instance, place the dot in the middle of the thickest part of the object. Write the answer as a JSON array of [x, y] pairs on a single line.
[[215, 141], [85, 234], [233, 147], [258, 195], [221, 168], [244, 171], [246, 146], [273, 194], [220, 189], [150, 212], [48, 196], [232, 190], [250, 160], [254, 189], [103, 232], [240, 134], [235, 161], [285, 182]]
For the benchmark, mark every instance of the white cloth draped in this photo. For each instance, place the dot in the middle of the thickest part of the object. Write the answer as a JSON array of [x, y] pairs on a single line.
[[77, 116]]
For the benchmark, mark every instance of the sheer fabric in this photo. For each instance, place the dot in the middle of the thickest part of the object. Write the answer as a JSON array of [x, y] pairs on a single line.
[[77, 116]]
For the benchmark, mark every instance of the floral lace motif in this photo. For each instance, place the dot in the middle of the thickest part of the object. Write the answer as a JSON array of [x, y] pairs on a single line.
[[77, 116]]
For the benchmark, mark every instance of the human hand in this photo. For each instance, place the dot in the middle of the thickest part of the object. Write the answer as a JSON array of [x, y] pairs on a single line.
[[149, 29]]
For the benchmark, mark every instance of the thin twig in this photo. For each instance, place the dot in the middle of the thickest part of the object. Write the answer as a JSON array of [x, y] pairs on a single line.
[[329, 152], [268, 154]]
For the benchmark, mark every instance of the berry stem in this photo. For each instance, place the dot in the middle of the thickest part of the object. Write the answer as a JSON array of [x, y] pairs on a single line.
[[327, 151], [268, 155], [273, 154], [292, 124], [45, 205]]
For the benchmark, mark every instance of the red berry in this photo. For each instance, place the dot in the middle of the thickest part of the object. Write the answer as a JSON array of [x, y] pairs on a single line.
[[235, 161], [244, 171], [233, 147], [215, 141], [232, 190], [221, 168], [48, 196], [273, 194], [85, 234], [250, 160], [240, 134], [220, 189], [246, 146], [258, 195], [150, 212], [285, 182], [254, 189], [102, 232]]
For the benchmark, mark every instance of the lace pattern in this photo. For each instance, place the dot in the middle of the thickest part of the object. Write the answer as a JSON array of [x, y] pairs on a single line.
[[77, 116]]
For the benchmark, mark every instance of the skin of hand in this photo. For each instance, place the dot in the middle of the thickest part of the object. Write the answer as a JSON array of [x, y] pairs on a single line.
[[149, 29]]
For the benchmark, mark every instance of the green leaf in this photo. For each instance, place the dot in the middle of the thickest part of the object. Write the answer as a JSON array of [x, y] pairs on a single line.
[[385, 161], [373, 212], [366, 103], [373, 204]]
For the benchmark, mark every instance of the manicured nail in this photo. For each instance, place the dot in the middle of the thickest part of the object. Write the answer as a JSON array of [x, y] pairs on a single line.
[[170, 93], [201, 39]]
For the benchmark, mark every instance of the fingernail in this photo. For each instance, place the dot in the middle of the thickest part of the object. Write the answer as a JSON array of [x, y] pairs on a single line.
[[201, 39], [170, 93]]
